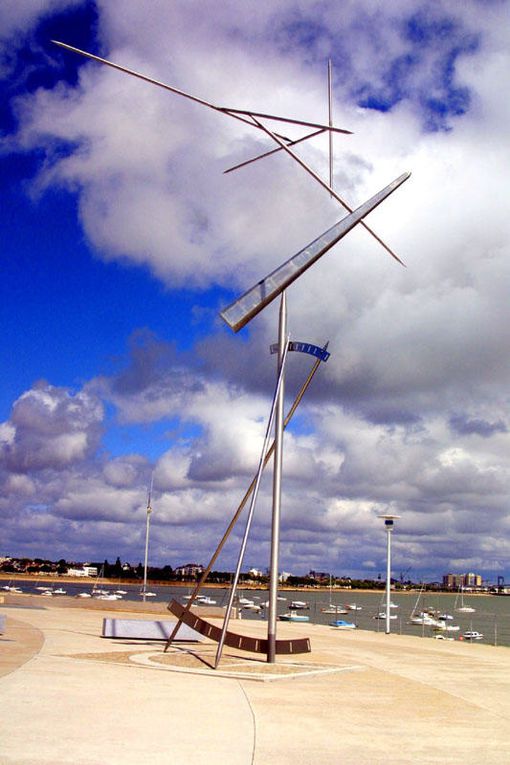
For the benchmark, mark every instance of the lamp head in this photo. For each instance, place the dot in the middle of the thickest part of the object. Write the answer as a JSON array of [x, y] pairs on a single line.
[[388, 519]]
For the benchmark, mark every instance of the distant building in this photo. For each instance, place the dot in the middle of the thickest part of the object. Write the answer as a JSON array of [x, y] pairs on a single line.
[[472, 580], [189, 571], [82, 571], [284, 576], [255, 573], [454, 581]]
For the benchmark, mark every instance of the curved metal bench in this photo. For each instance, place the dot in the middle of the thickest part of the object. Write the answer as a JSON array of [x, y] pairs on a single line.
[[242, 642]]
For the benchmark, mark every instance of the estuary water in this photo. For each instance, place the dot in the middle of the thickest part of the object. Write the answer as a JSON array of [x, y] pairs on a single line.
[[491, 616]]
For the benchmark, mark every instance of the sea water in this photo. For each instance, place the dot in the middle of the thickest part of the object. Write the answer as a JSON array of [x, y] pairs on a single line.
[[491, 616]]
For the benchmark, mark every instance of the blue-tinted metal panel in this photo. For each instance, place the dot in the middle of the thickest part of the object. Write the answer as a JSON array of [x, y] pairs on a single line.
[[239, 313]]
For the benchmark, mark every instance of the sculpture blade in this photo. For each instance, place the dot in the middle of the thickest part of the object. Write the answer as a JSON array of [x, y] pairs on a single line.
[[242, 310]]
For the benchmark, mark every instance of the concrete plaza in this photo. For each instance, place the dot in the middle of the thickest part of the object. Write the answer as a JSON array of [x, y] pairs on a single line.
[[70, 696]]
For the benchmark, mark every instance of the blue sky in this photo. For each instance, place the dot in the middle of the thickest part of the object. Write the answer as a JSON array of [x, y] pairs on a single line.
[[122, 240]]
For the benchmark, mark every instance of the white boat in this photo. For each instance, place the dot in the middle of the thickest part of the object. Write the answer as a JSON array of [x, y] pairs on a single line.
[[427, 617], [442, 626], [424, 618], [292, 616], [298, 605], [59, 591], [121, 592], [382, 615], [205, 600], [84, 595], [251, 607], [332, 609], [109, 596], [353, 607], [441, 636], [462, 608], [12, 588], [147, 594], [472, 635]]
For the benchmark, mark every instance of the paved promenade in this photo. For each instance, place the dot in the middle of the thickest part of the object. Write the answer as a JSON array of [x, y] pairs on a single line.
[[69, 696]]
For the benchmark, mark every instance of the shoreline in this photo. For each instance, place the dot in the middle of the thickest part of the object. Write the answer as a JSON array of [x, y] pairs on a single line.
[[53, 578]]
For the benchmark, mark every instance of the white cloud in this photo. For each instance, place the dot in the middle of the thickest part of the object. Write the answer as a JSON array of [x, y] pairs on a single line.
[[411, 410]]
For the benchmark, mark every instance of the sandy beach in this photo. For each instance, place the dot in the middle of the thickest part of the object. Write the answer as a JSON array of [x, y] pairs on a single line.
[[70, 696]]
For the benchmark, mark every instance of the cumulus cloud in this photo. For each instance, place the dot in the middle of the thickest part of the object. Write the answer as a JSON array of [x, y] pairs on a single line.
[[50, 427], [410, 412]]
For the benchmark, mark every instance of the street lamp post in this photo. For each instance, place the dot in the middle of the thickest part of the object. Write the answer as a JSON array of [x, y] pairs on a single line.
[[388, 522]]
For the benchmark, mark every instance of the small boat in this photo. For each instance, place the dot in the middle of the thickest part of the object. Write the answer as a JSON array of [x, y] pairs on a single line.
[[382, 615], [353, 607], [109, 596], [472, 635], [442, 626], [423, 617], [445, 617], [251, 607], [59, 591], [121, 592], [84, 595], [146, 594], [298, 605], [440, 636], [205, 600], [462, 608], [340, 624], [332, 609], [12, 588], [292, 616]]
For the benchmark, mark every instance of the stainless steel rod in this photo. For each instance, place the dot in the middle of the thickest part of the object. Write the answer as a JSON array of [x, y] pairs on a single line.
[[324, 185], [274, 409], [277, 486], [274, 151], [330, 114], [243, 502]]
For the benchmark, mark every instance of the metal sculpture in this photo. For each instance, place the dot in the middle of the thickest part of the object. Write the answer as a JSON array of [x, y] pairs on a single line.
[[246, 307], [252, 118]]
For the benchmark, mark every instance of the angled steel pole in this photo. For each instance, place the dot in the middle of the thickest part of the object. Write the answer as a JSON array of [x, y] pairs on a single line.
[[319, 180], [238, 114], [244, 500], [274, 151], [277, 487], [274, 409], [330, 114]]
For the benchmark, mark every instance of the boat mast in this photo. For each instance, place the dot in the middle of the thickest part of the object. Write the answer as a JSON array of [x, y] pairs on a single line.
[[146, 559]]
